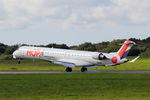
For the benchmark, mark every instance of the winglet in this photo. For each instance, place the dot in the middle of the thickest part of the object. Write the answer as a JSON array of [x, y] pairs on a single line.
[[134, 59]]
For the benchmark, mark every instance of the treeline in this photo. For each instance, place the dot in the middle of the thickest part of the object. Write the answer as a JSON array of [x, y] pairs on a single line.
[[142, 48]]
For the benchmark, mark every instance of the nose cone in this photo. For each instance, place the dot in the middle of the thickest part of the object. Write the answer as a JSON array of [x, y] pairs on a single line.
[[14, 54]]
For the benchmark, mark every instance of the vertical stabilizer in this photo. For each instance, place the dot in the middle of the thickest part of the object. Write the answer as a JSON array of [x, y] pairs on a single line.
[[124, 50]]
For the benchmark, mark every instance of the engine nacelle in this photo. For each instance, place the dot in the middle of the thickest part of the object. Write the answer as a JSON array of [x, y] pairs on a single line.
[[99, 56]]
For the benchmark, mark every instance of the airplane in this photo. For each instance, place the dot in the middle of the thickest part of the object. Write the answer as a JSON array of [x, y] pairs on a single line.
[[75, 58]]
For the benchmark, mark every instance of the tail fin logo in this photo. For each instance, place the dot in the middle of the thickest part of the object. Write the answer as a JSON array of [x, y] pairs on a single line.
[[124, 50], [114, 59]]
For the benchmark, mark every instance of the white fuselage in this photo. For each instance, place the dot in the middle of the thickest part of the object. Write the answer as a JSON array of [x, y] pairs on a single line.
[[64, 56]]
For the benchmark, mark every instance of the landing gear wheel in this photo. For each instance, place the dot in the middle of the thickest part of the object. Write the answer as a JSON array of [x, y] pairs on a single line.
[[83, 69], [68, 69], [19, 62]]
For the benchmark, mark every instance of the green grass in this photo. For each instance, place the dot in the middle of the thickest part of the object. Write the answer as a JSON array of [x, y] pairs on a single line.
[[11, 65], [75, 86]]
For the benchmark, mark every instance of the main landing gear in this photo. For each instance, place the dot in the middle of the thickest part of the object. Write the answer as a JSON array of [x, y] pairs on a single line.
[[83, 69], [68, 69]]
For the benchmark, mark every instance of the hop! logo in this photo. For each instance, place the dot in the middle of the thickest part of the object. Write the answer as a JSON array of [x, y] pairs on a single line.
[[34, 53]]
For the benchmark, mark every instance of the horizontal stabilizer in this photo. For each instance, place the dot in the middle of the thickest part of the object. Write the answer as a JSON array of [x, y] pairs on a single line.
[[134, 59]]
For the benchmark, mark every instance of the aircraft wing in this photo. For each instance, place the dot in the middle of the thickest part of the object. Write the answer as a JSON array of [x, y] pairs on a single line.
[[49, 58], [71, 62]]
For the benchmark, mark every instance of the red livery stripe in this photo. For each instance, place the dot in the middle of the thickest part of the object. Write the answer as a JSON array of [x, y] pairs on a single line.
[[124, 48], [122, 51]]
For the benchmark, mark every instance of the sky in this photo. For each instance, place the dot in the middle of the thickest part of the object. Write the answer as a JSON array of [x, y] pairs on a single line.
[[72, 22]]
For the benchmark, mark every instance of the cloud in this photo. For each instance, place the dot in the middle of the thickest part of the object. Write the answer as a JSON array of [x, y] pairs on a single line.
[[19, 12], [100, 12], [123, 11], [136, 11], [26, 7], [72, 21], [73, 13]]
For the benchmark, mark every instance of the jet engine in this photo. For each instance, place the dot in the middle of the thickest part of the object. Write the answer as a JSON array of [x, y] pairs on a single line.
[[99, 56]]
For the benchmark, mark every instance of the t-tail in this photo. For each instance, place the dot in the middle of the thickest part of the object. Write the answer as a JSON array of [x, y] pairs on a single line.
[[124, 50]]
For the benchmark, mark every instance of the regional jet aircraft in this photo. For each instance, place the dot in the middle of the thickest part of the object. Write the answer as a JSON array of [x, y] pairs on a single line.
[[75, 58]]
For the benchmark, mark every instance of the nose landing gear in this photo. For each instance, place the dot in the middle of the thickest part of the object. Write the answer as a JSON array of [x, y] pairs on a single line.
[[18, 61]]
